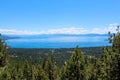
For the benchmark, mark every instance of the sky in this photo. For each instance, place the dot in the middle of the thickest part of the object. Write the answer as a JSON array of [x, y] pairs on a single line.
[[59, 16]]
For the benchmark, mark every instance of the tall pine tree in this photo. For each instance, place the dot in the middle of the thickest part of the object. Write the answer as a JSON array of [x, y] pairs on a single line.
[[3, 53]]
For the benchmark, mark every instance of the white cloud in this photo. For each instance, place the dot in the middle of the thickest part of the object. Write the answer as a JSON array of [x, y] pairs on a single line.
[[51, 31], [113, 25], [111, 28], [67, 31], [16, 32], [72, 30]]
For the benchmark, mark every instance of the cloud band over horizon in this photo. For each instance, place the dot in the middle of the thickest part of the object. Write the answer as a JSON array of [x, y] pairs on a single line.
[[71, 30]]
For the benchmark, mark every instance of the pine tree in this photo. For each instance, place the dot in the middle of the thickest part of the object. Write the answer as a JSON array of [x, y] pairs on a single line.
[[115, 40], [3, 53], [3, 56], [27, 71], [103, 65], [75, 66], [90, 70], [40, 74], [50, 68]]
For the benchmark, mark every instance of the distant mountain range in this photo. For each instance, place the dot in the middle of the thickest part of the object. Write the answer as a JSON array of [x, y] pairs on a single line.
[[80, 34], [65, 35], [6, 37]]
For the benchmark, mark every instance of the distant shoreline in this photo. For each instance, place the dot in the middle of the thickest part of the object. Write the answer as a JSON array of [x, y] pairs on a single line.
[[61, 48]]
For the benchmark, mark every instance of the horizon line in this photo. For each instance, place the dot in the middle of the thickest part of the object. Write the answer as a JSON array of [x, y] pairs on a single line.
[[67, 31]]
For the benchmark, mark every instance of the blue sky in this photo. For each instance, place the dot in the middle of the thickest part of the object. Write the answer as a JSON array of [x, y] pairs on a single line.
[[58, 16]]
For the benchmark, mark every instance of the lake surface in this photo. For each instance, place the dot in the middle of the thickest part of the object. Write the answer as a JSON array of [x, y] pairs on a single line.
[[58, 41]]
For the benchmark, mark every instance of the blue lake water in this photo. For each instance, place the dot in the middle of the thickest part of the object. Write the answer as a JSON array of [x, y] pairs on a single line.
[[58, 41]]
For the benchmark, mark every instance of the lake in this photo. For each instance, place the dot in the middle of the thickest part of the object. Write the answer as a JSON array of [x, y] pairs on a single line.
[[58, 41]]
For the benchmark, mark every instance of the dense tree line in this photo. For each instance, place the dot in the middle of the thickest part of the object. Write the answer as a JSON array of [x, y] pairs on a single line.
[[78, 67]]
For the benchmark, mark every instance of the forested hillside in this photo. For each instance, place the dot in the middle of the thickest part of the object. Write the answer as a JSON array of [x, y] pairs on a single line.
[[39, 54], [79, 66]]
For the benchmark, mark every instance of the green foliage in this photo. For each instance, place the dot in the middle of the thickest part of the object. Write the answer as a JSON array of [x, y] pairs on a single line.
[[116, 60], [50, 68], [38, 56], [3, 53], [41, 74], [75, 66]]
